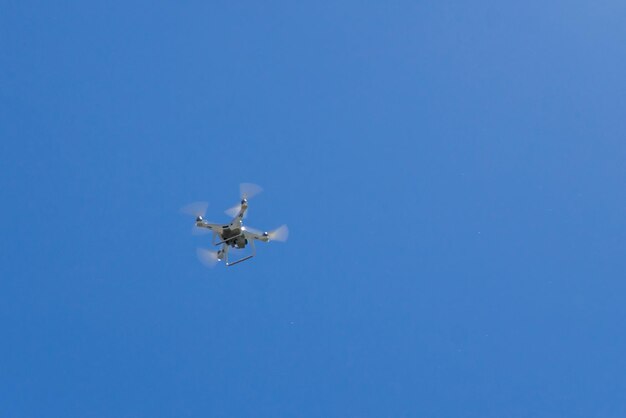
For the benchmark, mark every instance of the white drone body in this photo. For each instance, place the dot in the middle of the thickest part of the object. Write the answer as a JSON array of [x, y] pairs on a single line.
[[234, 234]]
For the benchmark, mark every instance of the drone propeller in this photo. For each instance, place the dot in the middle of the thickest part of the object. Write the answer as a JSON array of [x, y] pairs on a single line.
[[197, 210], [279, 234], [246, 191], [249, 190], [232, 212], [207, 257]]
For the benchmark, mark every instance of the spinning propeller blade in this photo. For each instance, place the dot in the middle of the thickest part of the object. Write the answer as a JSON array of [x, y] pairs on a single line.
[[246, 191], [279, 234], [249, 190], [195, 209], [207, 257], [232, 212]]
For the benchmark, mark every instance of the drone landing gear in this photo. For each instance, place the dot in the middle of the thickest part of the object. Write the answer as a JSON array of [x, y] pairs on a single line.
[[223, 253], [241, 260]]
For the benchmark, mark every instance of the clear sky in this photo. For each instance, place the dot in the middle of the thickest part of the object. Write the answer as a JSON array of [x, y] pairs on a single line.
[[452, 174]]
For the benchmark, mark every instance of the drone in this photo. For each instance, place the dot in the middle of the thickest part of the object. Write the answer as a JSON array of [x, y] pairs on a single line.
[[235, 234]]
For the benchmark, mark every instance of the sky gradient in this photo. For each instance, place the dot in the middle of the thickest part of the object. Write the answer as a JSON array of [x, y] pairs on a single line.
[[452, 176]]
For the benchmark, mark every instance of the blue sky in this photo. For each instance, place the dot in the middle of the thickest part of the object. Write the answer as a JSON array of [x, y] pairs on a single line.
[[452, 175]]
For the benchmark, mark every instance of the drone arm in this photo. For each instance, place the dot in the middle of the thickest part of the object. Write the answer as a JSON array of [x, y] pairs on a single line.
[[211, 227], [251, 236]]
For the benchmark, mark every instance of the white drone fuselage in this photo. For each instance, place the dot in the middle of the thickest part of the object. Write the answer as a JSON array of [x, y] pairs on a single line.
[[233, 235]]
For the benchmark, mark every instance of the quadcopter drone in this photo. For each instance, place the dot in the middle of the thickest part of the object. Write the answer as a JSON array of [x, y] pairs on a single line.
[[234, 234]]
